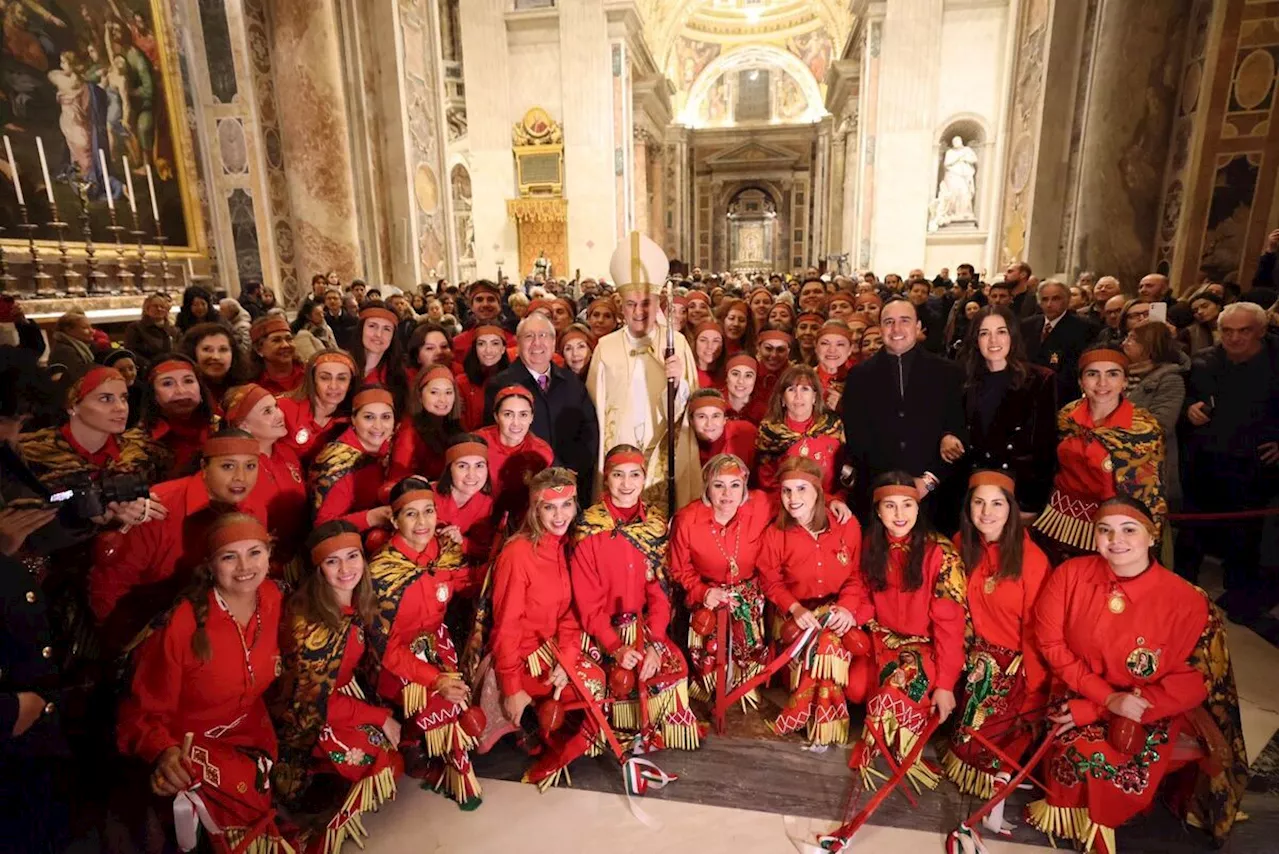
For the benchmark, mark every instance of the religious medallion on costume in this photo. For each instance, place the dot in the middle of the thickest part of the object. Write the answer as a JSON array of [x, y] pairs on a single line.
[[1143, 662], [989, 586], [302, 436]]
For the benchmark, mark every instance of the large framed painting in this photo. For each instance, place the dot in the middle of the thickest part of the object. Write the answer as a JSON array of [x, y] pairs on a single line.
[[95, 83]]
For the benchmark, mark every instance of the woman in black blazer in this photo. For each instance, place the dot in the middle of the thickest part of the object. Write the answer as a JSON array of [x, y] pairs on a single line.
[[1010, 408]]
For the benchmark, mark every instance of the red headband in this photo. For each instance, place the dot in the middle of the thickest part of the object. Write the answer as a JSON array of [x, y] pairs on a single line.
[[411, 496], [989, 477], [1103, 355], [324, 358], [1119, 509], [836, 328], [894, 489], [267, 326], [246, 528], [745, 360], [705, 400], [698, 295], [372, 395], [801, 474], [483, 286], [94, 377], [226, 446], [465, 449], [329, 545], [774, 335], [512, 391], [435, 372], [811, 315], [732, 466], [243, 399], [379, 312], [538, 305], [621, 458], [169, 366], [488, 329], [555, 493], [707, 326], [570, 334]]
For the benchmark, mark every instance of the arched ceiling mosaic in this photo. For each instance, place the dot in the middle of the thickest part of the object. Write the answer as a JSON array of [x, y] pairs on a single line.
[[695, 44]]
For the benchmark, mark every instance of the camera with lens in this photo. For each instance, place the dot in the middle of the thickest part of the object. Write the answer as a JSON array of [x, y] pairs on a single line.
[[88, 498]]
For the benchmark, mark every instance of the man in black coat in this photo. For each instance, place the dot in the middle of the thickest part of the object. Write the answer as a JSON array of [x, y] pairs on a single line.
[[897, 407], [1055, 338], [563, 415]]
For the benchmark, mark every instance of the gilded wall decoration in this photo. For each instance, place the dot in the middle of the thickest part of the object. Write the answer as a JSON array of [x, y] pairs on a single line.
[[97, 83]]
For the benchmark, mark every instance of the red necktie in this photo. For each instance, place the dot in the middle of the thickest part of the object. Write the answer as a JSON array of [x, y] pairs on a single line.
[[1044, 333]]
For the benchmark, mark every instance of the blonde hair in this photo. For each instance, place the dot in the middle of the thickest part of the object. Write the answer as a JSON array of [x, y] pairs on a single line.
[[549, 478]]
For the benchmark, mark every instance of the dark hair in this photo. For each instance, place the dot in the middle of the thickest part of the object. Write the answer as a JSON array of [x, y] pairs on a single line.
[[25, 387], [716, 368], [393, 358], [749, 334], [1001, 284], [968, 267], [314, 601], [239, 372], [444, 483], [471, 366], [197, 593], [186, 319], [975, 367], [150, 407], [875, 543], [793, 376], [1008, 547]]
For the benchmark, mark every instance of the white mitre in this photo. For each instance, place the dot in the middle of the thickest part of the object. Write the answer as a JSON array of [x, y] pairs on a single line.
[[638, 263]]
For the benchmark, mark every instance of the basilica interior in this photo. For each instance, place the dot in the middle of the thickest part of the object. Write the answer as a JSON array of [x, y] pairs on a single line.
[[413, 141]]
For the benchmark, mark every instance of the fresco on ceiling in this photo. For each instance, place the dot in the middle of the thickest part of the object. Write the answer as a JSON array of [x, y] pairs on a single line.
[[691, 58], [814, 49]]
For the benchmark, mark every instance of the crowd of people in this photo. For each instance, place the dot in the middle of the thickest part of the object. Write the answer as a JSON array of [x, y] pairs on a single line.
[[260, 568]]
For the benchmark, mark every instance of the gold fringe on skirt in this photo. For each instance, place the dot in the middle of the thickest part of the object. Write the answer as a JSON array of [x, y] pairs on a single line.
[[1070, 823]]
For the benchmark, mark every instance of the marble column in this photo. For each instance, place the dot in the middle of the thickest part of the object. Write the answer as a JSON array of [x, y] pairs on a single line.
[[1131, 60], [308, 87], [485, 68], [817, 249], [904, 132], [679, 193], [640, 180], [589, 142]]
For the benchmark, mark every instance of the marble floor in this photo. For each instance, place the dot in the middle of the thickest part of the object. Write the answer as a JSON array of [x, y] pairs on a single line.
[[747, 793]]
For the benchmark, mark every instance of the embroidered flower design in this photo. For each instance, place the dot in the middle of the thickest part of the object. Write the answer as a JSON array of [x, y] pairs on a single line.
[[1063, 770], [1131, 779], [355, 756]]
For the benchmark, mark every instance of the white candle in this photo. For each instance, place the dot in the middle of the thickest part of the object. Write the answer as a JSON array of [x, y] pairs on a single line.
[[44, 169], [128, 186], [13, 167], [106, 178], [151, 186]]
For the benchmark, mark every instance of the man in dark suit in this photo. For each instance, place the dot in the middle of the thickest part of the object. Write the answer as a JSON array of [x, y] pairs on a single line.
[[563, 414], [897, 407], [1055, 338]]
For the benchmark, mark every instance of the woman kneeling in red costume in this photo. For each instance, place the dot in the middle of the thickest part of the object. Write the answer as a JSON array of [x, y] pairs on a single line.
[[618, 567], [916, 585], [1141, 657], [535, 631], [196, 710], [1006, 680], [324, 720]]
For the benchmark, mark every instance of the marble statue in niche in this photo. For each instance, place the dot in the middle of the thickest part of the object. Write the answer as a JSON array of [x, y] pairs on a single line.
[[954, 202]]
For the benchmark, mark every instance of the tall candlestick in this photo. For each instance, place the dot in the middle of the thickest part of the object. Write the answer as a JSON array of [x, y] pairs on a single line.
[[106, 178], [191, 270], [44, 169], [128, 185], [13, 167], [151, 187]]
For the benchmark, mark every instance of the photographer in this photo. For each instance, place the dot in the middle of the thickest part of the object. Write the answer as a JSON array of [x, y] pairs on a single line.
[[33, 749]]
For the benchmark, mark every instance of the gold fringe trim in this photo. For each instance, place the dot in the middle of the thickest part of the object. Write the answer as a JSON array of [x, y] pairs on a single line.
[[456, 784], [352, 689], [703, 688], [829, 732], [596, 746], [1062, 528], [365, 796], [1070, 823], [625, 715], [901, 740], [441, 740], [538, 660], [1014, 666], [830, 666], [968, 779], [413, 699], [627, 633], [552, 779], [260, 845]]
